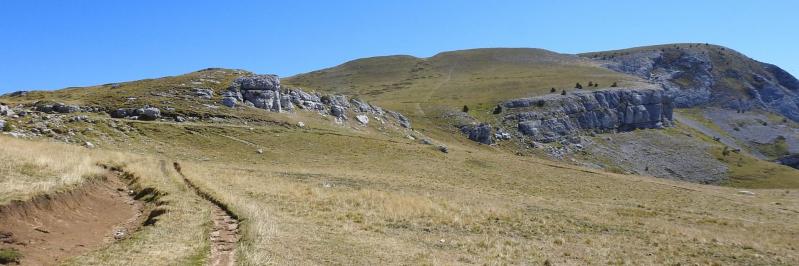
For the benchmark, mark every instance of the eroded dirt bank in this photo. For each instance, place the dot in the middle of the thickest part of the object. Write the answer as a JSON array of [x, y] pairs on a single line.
[[50, 228]]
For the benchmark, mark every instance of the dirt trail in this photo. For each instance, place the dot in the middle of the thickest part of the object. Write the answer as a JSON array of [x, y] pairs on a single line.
[[225, 232], [432, 92], [50, 228]]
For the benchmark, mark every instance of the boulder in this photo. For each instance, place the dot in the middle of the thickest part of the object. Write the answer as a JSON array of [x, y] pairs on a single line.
[[149, 113], [204, 93], [443, 148], [481, 133], [259, 82], [229, 102], [5, 111], [65, 108], [363, 119], [122, 113]]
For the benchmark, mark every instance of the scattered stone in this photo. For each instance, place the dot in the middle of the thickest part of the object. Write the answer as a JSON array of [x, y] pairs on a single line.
[[120, 233], [443, 148], [89, 145], [502, 135], [79, 118], [363, 119], [300, 124], [180, 119], [259, 151], [746, 192], [204, 93]]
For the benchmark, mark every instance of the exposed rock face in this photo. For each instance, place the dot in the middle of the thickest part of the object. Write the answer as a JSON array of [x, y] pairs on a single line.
[[554, 117], [264, 92], [481, 133], [707, 74]]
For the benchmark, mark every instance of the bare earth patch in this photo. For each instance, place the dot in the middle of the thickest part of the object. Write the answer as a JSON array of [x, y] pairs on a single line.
[[49, 228]]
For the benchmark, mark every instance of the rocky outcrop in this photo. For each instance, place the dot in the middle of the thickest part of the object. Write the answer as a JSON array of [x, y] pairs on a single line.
[[482, 133], [51, 107], [5, 110], [144, 113], [701, 74], [149, 113], [553, 117], [265, 92]]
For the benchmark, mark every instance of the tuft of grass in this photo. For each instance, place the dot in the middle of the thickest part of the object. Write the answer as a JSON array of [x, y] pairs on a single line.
[[9, 255]]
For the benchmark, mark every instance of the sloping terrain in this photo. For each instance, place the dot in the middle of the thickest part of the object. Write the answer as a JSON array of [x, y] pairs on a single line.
[[703, 74], [319, 184], [479, 78], [492, 81]]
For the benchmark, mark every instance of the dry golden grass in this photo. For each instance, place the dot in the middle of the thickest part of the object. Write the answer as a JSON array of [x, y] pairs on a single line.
[[477, 206], [30, 168], [335, 195], [179, 236]]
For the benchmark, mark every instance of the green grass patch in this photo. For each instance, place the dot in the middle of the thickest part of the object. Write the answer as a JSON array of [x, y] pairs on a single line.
[[776, 149], [9, 256]]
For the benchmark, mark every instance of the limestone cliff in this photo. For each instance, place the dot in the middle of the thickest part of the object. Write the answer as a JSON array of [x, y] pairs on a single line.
[[553, 117]]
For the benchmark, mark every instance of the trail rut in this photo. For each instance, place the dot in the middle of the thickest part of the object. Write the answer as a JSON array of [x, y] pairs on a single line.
[[225, 232]]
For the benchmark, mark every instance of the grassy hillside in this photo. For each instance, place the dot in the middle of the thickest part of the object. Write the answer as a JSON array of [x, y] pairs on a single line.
[[334, 195], [330, 193], [478, 78]]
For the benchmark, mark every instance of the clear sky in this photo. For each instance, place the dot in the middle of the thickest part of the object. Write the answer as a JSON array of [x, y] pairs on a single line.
[[57, 44]]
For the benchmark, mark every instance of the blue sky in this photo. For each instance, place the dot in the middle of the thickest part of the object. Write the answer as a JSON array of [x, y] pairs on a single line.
[[57, 44]]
